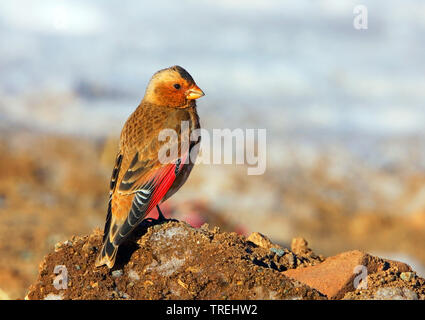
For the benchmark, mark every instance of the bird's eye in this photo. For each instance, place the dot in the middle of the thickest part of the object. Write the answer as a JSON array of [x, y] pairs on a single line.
[[177, 86]]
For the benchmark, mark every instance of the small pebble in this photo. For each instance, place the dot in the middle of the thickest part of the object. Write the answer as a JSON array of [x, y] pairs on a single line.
[[278, 251], [291, 259], [407, 276], [117, 273], [68, 243], [389, 293], [124, 295], [133, 275]]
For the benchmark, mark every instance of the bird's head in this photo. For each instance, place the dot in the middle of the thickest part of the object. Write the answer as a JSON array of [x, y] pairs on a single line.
[[172, 87]]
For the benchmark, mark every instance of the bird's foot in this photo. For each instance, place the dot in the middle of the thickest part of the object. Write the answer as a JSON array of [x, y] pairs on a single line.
[[161, 217]]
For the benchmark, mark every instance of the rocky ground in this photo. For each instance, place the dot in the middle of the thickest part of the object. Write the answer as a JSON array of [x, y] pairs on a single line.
[[173, 261], [176, 261]]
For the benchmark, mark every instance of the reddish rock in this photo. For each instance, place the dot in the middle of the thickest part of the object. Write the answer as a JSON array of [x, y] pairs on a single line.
[[335, 276]]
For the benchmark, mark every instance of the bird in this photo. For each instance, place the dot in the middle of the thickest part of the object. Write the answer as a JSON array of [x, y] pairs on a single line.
[[144, 175]]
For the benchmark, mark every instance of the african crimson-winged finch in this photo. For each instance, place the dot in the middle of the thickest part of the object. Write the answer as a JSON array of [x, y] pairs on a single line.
[[141, 179]]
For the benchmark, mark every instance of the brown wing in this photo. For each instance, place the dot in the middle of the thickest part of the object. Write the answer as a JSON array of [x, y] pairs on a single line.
[[141, 187]]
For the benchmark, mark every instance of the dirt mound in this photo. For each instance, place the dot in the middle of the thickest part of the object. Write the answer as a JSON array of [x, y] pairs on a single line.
[[174, 261]]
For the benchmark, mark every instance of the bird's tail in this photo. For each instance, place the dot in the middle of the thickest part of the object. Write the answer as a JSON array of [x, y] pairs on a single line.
[[107, 254]]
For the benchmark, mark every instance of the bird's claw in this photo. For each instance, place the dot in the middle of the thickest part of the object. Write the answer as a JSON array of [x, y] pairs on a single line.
[[161, 217]]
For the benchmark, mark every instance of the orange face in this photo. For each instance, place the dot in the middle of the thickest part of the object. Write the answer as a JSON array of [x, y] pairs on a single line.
[[172, 87]]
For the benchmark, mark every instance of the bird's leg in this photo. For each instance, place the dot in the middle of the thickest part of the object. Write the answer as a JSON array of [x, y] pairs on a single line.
[[160, 215]]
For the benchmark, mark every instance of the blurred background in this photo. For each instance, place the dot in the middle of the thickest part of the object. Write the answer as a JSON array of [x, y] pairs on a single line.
[[343, 108]]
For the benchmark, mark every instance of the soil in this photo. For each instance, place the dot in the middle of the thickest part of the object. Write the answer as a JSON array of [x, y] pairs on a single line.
[[175, 261]]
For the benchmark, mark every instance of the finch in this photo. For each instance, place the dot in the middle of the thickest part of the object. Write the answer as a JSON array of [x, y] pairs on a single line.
[[144, 175]]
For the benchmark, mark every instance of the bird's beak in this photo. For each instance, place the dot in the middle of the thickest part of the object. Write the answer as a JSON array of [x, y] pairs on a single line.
[[194, 93]]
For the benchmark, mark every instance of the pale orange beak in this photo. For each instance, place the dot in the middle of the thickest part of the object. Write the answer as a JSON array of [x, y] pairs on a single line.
[[194, 93]]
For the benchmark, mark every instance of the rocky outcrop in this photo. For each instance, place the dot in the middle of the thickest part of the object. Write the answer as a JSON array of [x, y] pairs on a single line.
[[175, 261]]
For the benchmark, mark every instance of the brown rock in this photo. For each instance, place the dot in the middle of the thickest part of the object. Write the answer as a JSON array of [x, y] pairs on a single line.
[[260, 240], [300, 246], [336, 275]]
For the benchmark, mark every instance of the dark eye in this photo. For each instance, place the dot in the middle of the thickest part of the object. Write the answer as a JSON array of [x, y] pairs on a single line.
[[177, 86]]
